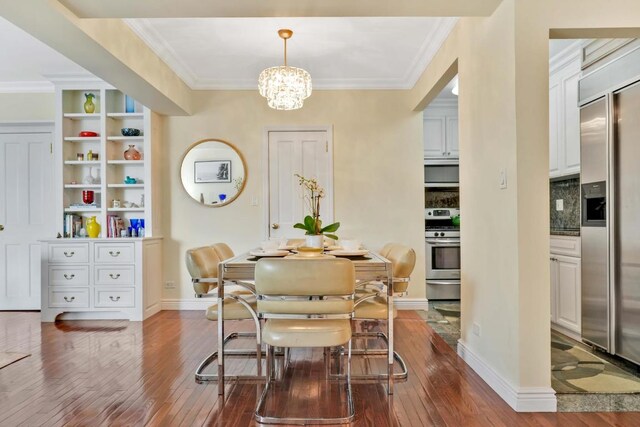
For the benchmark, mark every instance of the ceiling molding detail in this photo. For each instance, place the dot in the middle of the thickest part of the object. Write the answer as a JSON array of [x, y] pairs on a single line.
[[26, 87], [144, 29], [566, 55]]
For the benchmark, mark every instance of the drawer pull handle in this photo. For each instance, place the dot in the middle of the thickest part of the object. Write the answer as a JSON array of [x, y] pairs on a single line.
[[114, 276], [69, 254], [114, 254], [67, 299], [114, 299], [69, 276]]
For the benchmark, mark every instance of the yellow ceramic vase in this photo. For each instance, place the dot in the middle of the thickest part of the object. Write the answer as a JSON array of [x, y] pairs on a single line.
[[93, 228]]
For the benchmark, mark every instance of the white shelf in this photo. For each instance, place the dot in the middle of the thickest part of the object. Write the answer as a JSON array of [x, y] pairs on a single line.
[[80, 209], [125, 185], [81, 116], [125, 210], [83, 186], [125, 115], [125, 162], [82, 139], [82, 162], [126, 138]]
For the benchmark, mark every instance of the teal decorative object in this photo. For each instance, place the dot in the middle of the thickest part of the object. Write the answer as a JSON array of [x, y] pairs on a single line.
[[129, 180]]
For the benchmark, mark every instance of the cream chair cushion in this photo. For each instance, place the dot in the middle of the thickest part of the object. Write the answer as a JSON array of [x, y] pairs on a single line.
[[306, 333], [403, 261], [223, 250], [233, 310], [305, 278], [202, 263], [374, 308]]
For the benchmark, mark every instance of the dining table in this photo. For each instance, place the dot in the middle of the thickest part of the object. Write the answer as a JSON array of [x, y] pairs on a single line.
[[371, 267]]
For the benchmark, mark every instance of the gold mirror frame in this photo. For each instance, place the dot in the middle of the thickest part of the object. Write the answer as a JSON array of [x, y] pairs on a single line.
[[244, 166]]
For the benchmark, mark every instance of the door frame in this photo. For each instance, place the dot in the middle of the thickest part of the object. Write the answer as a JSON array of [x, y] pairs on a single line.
[[39, 127], [265, 166]]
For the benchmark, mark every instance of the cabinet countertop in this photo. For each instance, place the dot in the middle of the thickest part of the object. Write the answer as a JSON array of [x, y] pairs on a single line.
[[565, 232]]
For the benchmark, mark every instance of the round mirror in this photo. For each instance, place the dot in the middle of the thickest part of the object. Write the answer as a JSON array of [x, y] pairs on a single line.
[[213, 172]]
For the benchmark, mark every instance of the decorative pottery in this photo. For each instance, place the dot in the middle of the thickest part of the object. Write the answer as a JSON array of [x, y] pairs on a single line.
[[308, 252], [132, 153], [93, 228], [129, 104], [222, 197], [129, 180], [130, 132], [314, 241], [87, 134], [89, 106], [87, 196]]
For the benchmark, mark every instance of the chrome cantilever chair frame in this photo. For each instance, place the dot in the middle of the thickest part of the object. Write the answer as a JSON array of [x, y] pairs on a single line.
[[383, 290], [257, 353], [270, 364]]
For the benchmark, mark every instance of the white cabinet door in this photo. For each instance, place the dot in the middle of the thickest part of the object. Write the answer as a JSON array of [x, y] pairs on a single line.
[[568, 292], [452, 137], [554, 129], [571, 125], [434, 136], [554, 288], [25, 212], [290, 153]]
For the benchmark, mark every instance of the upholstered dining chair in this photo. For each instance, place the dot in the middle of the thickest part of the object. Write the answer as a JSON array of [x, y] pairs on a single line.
[[306, 303], [372, 304], [239, 304]]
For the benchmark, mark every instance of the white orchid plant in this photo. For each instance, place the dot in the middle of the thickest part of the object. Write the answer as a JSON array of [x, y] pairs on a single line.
[[312, 224]]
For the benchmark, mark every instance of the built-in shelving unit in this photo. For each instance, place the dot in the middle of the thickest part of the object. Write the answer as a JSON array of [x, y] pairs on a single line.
[[106, 175]]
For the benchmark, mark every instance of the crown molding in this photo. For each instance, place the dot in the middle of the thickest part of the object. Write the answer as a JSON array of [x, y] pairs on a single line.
[[428, 50], [26, 87], [159, 45], [565, 56]]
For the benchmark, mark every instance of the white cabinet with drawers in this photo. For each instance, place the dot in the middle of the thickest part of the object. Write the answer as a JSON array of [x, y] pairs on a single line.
[[101, 279]]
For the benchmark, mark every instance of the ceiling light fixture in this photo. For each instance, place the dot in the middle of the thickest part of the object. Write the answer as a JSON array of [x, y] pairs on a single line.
[[285, 87]]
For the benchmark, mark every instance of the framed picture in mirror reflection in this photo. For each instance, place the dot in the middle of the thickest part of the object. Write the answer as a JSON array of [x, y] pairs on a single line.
[[212, 171]]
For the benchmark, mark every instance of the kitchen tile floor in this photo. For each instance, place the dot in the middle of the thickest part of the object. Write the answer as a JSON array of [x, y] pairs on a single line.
[[444, 318]]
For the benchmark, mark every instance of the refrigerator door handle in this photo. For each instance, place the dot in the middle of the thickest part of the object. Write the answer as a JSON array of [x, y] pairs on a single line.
[[611, 222]]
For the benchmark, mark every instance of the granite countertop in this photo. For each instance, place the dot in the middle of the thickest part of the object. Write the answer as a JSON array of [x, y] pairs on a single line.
[[565, 232]]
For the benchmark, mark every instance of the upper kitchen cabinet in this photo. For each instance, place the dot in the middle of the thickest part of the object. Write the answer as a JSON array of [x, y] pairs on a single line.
[[441, 130], [564, 114]]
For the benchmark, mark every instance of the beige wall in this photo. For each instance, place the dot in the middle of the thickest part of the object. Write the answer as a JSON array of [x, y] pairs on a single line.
[[26, 106], [378, 176], [503, 111]]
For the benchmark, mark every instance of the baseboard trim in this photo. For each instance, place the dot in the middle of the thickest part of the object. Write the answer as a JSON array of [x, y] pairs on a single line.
[[521, 399], [187, 303], [204, 303]]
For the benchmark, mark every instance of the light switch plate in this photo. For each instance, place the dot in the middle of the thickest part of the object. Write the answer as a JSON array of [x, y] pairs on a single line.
[[254, 201], [503, 178], [560, 205]]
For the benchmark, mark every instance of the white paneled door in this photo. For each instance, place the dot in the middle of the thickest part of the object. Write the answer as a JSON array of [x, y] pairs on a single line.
[[309, 154], [26, 215]]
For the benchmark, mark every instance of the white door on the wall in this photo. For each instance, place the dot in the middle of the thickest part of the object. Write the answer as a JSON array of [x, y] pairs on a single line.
[[307, 153], [26, 215]]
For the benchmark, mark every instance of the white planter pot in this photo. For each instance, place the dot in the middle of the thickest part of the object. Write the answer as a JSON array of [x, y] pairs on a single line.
[[315, 241]]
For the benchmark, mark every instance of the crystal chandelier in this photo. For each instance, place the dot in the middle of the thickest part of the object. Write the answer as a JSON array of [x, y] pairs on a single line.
[[285, 87]]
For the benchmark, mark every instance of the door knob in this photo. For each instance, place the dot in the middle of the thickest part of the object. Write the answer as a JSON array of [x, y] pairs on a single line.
[[275, 226], [1, 227]]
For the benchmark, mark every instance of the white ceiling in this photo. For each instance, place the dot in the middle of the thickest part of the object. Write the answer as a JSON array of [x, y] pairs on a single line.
[[339, 53], [24, 60]]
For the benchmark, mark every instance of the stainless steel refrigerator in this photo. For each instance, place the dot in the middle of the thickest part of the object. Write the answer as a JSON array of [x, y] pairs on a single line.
[[610, 192]]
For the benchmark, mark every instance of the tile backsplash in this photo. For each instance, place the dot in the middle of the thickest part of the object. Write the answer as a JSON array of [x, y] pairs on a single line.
[[441, 198], [568, 191]]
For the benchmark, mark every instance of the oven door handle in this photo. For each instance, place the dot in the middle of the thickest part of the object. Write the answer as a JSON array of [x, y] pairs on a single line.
[[443, 282], [437, 242]]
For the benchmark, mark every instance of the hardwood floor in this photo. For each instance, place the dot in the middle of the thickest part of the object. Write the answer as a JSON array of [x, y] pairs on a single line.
[[120, 373]]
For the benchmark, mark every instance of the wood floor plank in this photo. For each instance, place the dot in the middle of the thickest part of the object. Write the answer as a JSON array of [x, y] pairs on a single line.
[[117, 373]]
